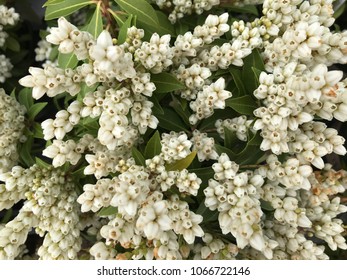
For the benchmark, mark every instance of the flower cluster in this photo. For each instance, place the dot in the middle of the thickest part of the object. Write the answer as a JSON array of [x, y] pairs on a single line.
[[211, 142], [11, 130]]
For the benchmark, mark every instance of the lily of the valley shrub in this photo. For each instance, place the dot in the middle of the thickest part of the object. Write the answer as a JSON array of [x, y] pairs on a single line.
[[178, 130]]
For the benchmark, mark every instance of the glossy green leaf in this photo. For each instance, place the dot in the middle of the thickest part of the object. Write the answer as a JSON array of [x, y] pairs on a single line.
[[230, 138], [140, 8], [165, 82], [36, 109], [37, 131], [182, 163], [25, 152], [68, 60], [153, 146], [244, 105], [165, 26], [266, 205], [123, 31], [12, 44], [206, 213], [65, 8], [157, 108], [236, 73], [247, 9], [139, 158], [184, 113], [249, 78], [25, 98], [52, 2], [221, 149], [95, 25], [42, 163], [119, 16], [171, 121], [108, 211]]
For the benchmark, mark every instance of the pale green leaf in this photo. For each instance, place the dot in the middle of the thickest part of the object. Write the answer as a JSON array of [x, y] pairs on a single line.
[[68, 60], [95, 25], [42, 163], [140, 8], [182, 163], [65, 8], [108, 211], [123, 31]]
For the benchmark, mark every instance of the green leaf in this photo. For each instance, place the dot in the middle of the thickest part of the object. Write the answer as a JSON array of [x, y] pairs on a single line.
[[244, 105], [266, 205], [12, 44], [139, 159], [42, 163], [108, 211], [140, 8], [206, 213], [153, 146], [230, 138], [165, 82], [178, 107], [64, 8], [35, 109], [119, 16], [171, 121], [165, 26], [182, 163], [247, 9], [25, 152], [221, 149], [156, 109], [25, 98], [339, 11], [236, 73], [95, 25], [123, 31], [250, 79], [52, 2], [68, 60], [37, 131]]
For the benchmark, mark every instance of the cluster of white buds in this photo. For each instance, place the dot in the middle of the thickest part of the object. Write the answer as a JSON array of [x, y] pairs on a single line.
[[306, 36], [14, 234], [214, 249], [185, 222], [51, 204], [8, 17], [11, 130], [96, 196], [194, 77], [186, 46], [179, 8], [292, 173], [51, 81], [175, 146], [315, 140], [240, 125], [236, 197], [43, 50], [61, 152], [110, 61], [210, 98], [204, 146], [155, 55], [5, 68], [70, 39]]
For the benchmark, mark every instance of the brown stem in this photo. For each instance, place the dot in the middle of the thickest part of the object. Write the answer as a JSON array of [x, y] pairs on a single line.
[[105, 7]]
